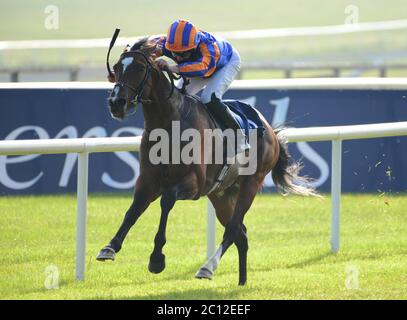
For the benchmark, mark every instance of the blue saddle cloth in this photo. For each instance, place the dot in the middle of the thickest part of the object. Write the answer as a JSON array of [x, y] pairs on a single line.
[[246, 115]]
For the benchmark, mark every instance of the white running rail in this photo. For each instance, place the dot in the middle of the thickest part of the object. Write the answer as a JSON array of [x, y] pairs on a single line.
[[84, 146], [230, 35]]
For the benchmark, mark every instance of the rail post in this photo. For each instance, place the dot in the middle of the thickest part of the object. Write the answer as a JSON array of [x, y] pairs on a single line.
[[82, 198], [211, 231], [336, 193], [14, 76]]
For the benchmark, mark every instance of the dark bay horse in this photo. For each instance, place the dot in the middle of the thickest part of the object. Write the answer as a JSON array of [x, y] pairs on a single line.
[[138, 79]]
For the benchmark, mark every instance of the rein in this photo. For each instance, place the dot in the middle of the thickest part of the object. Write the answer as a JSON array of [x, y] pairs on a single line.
[[139, 90]]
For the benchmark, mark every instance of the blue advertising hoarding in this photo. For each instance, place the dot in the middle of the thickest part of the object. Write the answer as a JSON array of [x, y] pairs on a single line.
[[373, 165]]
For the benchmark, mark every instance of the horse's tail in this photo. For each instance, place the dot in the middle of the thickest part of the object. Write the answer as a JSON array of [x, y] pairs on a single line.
[[286, 172]]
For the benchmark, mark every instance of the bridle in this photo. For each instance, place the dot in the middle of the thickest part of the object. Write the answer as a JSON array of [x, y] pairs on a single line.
[[139, 89]]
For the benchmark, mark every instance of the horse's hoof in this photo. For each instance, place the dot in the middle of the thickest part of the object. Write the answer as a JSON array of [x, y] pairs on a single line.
[[107, 253], [204, 273], [156, 265]]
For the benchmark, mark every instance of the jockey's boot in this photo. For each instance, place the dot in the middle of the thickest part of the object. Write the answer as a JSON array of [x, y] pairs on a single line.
[[222, 111]]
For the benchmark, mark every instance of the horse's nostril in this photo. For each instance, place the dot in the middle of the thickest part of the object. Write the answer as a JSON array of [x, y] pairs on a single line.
[[117, 107], [121, 102], [118, 102]]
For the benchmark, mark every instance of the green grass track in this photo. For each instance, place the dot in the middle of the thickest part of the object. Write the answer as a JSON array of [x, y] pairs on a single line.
[[289, 255]]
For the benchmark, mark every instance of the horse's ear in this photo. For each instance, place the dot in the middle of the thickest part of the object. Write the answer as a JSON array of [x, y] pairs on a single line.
[[149, 47], [126, 49]]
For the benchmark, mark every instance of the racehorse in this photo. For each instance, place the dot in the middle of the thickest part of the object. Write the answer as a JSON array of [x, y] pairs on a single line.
[[139, 80]]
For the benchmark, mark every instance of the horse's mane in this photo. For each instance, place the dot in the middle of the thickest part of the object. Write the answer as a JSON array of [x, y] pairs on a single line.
[[148, 47], [145, 45]]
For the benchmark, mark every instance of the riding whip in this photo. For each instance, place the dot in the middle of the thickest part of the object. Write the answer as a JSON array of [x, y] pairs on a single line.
[[114, 37]]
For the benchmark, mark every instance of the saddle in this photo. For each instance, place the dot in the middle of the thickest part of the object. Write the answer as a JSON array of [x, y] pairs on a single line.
[[246, 115], [248, 119]]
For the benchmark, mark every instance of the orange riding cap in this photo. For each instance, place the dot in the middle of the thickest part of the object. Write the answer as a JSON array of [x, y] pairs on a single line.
[[182, 36]]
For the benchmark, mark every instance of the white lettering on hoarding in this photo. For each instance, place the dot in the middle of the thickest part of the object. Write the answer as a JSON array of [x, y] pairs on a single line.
[[70, 160], [279, 118], [126, 157], [5, 179]]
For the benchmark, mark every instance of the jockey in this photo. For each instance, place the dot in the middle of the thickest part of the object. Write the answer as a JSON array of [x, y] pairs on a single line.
[[210, 64]]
